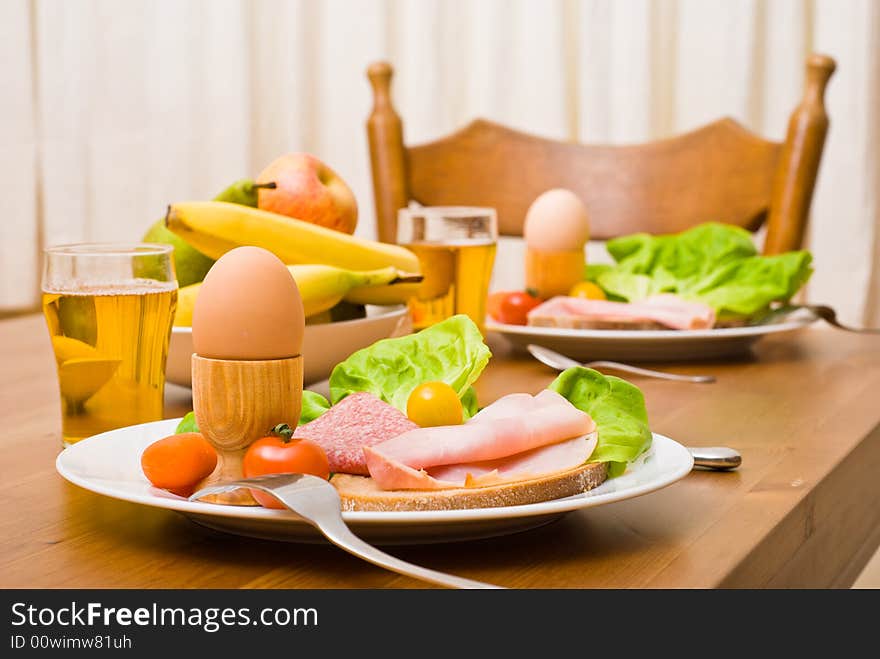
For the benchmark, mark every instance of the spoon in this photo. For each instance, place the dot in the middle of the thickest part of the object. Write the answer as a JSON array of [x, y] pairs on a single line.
[[719, 458], [560, 362]]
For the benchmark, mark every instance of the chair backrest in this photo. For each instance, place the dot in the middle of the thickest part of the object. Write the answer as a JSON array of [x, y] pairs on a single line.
[[719, 172]]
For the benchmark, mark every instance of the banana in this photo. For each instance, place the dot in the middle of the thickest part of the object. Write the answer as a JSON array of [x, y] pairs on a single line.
[[82, 371], [186, 301], [323, 286], [67, 348], [320, 286], [215, 227], [80, 379], [388, 294]]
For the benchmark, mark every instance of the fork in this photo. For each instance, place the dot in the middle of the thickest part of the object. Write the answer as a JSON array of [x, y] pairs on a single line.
[[830, 316], [822, 311], [560, 362], [317, 502]]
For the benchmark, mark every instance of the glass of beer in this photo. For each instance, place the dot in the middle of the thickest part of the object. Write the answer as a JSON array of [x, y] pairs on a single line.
[[456, 249], [109, 310]]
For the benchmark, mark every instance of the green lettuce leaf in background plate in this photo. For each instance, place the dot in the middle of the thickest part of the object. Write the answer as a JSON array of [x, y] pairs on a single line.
[[617, 407], [682, 255], [746, 287], [713, 263], [451, 351]]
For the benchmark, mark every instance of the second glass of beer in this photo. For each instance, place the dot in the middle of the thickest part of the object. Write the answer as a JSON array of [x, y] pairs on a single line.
[[456, 249]]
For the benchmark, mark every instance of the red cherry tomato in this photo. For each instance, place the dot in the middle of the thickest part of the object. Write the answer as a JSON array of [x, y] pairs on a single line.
[[515, 307], [279, 453], [493, 304]]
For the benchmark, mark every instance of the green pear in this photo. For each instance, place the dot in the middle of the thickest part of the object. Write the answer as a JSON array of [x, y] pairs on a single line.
[[243, 192], [77, 317], [189, 263]]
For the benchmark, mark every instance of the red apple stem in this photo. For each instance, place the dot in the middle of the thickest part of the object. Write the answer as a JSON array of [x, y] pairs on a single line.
[[271, 185]]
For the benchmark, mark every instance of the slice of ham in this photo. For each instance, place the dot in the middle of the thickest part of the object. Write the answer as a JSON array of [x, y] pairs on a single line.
[[535, 463], [517, 437], [666, 309]]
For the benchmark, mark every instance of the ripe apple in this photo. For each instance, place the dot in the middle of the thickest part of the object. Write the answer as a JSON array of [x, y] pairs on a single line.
[[308, 190]]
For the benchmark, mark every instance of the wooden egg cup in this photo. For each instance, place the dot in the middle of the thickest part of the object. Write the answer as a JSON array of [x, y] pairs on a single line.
[[236, 402], [551, 272]]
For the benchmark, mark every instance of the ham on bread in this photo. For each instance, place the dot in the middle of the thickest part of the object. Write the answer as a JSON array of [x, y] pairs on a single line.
[[519, 437], [658, 311]]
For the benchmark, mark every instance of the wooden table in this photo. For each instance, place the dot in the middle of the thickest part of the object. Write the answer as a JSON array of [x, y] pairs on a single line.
[[804, 509]]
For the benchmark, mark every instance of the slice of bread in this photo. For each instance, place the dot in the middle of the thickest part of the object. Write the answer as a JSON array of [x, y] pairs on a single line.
[[362, 493], [582, 322]]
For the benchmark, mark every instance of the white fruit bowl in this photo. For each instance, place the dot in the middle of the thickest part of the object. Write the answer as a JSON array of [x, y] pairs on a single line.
[[324, 345]]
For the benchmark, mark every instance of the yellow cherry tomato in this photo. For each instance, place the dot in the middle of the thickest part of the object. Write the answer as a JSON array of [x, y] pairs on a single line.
[[588, 290], [434, 404]]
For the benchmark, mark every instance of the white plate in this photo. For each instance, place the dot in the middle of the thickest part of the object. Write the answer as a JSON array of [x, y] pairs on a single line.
[[109, 464], [324, 345], [647, 345]]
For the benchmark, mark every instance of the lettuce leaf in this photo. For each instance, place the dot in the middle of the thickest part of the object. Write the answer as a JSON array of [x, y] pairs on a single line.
[[451, 351], [713, 263], [750, 285], [617, 407], [682, 255], [313, 406], [469, 403], [187, 424]]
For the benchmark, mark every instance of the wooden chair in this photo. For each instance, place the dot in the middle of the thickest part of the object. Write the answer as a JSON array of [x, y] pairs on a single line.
[[721, 171]]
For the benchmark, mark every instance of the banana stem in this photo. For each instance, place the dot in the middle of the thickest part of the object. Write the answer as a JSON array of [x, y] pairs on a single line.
[[407, 279]]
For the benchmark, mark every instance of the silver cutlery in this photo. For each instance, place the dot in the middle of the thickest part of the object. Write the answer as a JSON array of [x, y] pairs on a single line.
[[824, 312], [719, 458], [317, 502], [830, 316], [560, 362]]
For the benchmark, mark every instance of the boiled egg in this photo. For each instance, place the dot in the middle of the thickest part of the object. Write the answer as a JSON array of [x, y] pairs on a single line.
[[557, 220], [248, 308]]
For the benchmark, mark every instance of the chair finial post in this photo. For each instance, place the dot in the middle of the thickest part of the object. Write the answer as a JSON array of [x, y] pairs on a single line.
[[387, 153], [820, 68], [799, 161], [379, 74]]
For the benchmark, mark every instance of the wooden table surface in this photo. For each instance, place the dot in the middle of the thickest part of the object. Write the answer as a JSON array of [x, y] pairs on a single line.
[[804, 509]]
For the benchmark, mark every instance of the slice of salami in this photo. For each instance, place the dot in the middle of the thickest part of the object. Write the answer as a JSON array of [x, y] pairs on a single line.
[[356, 421]]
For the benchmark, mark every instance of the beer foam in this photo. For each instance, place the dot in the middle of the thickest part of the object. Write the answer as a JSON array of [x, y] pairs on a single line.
[[135, 286]]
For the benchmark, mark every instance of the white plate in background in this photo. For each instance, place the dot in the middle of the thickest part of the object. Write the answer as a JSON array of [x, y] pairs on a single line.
[[647, 345]]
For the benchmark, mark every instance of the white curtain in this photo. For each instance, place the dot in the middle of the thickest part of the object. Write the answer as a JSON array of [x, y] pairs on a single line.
[[112, 109]]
